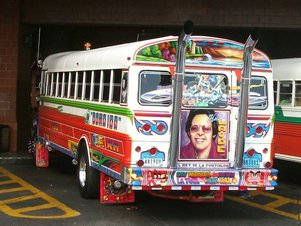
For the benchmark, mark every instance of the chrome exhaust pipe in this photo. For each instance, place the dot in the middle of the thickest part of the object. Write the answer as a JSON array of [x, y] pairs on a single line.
[[244, 100], [177, 93]]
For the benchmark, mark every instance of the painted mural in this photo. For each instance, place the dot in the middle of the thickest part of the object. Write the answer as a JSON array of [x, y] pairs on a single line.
[[202, 52]]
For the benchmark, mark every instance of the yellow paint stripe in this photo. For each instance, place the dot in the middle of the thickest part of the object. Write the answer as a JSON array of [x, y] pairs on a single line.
[[275, 204], [33, 208], [18, 199], [268, 207], [7, 182], [9, 190], [19, 180], [52, 203]]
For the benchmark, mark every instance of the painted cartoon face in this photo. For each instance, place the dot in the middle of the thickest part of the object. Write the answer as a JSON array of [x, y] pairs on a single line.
[[205, 77], [201, 133]]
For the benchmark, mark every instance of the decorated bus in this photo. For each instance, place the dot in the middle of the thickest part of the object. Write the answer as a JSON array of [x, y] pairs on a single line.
[[186, 117], [287, 95]]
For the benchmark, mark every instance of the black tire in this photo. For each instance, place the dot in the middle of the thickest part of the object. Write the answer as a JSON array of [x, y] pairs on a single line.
[[87, 177]]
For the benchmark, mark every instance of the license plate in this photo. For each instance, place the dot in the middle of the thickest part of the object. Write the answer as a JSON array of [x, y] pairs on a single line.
[[251, 163], [153, 162]]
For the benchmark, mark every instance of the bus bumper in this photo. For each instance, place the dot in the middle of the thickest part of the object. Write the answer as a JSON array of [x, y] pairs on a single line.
[[202, 179]]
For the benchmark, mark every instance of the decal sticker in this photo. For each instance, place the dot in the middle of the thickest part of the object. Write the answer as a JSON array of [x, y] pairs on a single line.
[[157, 178], [135, 177], [103, 120], [205, 178], [253, 178], [98, 141]]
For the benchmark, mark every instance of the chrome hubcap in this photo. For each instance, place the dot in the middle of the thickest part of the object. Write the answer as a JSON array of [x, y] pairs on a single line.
[[82, 172]]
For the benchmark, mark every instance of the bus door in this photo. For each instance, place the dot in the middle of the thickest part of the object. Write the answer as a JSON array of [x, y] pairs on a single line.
[[205, 120]]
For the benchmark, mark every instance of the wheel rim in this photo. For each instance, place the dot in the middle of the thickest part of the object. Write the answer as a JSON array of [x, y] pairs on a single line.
[[82, 174]]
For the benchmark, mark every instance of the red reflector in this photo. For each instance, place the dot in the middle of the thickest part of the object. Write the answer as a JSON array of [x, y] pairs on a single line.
[[138, 149], [146, 127], [153, 151], [265, 150], [259, 130], [268, 165], [251, 152], [160, 127], [140, 163]]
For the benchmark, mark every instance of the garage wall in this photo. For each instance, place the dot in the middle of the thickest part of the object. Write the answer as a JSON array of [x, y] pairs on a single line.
[[229, 13], [9, 31]]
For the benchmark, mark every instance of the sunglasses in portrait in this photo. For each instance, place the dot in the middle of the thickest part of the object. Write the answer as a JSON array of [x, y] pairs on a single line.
[[196, 128]]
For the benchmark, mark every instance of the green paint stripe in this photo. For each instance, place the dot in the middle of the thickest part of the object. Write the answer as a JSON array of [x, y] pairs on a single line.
[[101, 159], [91, 106], [107, 159], [280, 117]]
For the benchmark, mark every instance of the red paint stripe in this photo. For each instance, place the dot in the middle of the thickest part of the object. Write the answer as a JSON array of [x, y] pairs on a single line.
[[258, 117], [152, 114]]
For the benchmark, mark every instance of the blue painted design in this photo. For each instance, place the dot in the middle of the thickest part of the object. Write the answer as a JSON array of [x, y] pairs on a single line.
[[158, 155], [153, 127], [252, 130]]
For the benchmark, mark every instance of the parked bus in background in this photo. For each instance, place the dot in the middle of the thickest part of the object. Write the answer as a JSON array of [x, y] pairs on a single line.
[[287, 96], [180, 117]]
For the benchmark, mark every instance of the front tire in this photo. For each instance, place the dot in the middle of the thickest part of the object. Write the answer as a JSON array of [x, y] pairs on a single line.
[[88, 177]]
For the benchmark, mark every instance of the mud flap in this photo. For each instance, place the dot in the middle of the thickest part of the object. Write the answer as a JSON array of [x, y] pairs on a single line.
[[41, 156], [110, 194]]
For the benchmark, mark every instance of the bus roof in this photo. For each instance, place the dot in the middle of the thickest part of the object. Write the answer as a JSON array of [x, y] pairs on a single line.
[[287, 69], [201, 51]]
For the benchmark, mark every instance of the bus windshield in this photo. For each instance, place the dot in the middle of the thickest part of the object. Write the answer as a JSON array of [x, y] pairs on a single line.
[[155, 88]]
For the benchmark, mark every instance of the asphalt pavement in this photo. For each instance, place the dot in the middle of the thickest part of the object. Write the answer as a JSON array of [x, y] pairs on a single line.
[[18, 157]]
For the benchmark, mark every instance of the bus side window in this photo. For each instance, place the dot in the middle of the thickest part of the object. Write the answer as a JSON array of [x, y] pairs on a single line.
[[116, 86], [124, 87], [59, 84], [65, 84], [52, 84], [80, 80], [298, 94], [72, 84], [286, 92], [88, 80], [106, 85], [45, 83], [96, 85]]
